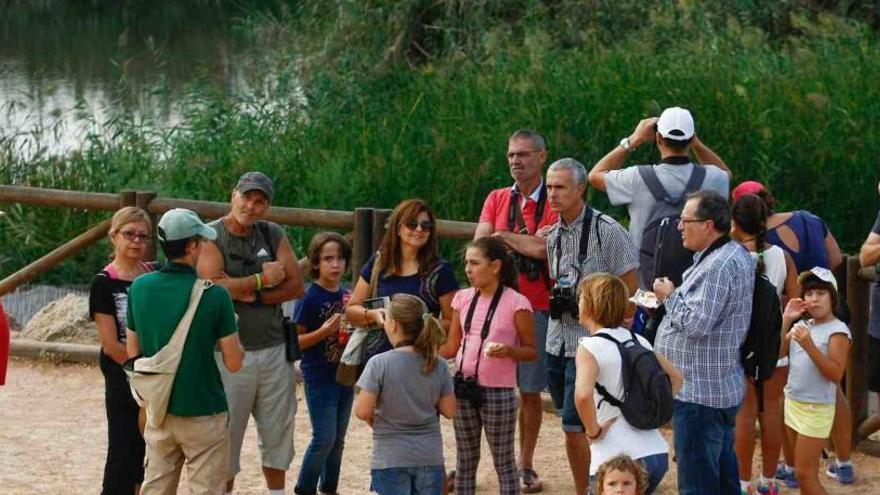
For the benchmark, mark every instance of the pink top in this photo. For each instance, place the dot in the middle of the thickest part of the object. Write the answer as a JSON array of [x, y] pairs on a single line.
[[494, 372]]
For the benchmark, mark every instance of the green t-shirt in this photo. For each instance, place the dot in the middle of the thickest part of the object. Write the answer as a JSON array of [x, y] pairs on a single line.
[[156, 303]]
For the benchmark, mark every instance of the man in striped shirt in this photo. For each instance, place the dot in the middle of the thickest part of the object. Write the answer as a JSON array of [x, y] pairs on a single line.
[[582, 242], [706, 322]]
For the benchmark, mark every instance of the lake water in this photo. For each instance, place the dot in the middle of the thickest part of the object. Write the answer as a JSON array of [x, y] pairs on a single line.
[[68, 67]]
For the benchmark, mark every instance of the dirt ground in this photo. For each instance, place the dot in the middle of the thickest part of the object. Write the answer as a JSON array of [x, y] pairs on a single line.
[[53, 440]]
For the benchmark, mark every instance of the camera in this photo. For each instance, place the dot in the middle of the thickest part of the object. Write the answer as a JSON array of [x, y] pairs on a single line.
[[467, 388], [563, 300], [531, 267]]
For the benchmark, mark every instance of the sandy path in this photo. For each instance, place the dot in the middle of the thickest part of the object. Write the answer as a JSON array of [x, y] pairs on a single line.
[[53, 440]]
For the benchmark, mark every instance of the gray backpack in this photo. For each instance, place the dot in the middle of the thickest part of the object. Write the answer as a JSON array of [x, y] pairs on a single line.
[[662, 254]]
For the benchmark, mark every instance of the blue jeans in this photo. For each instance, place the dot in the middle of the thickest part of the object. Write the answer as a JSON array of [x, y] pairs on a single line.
[[561, 373], [704, 449], [329, 411], [422, 480]]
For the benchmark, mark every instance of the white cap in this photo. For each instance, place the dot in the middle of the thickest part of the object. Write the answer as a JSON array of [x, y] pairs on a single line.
[[676, 123], [821, 273]]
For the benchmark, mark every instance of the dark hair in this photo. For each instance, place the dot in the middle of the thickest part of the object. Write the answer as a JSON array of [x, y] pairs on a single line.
[[419, 327], [493, 249], [677, 144], [750, 214], [768, 199], [712, 206], [407, 210], [317, 244], [536, 138], [177, 249], [812, 282]]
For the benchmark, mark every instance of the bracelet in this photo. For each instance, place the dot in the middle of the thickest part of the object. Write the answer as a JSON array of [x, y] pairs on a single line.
[[259, 281], [598, 434]]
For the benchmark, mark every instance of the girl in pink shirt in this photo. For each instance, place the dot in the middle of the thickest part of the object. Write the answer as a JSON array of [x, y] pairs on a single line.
[[492, 329]]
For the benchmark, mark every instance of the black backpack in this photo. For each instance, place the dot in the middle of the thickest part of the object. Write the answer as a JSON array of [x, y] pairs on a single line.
[[760, 351], [662, 254], [647, 390]]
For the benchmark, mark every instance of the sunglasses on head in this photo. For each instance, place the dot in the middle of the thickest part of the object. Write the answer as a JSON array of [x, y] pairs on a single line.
[[131, 236], [425, 225]]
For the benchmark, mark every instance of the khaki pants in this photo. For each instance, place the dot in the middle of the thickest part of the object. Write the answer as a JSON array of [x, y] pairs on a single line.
[[199, 443]]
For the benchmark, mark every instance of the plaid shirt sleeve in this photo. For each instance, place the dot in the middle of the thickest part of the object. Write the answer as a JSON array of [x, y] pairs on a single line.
[[699, 311]]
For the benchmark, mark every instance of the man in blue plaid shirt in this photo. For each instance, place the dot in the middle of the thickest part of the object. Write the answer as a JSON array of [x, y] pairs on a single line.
[[706, 321]]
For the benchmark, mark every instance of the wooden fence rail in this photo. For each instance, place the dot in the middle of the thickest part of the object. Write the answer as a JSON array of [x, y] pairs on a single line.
[[367, 228]]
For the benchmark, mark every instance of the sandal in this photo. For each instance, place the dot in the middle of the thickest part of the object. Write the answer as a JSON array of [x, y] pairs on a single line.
[[531, 483], [450, 481]]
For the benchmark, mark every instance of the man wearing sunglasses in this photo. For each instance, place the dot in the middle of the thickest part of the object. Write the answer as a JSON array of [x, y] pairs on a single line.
[[514, 215], [253, 259]]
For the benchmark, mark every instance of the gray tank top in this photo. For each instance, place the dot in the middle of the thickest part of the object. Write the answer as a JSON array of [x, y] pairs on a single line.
[[259, 325]]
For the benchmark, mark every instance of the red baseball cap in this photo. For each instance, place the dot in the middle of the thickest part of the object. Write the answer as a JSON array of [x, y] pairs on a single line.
[[747, 187]]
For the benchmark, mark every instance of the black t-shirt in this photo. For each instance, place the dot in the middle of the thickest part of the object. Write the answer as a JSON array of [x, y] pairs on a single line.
[[109, 296]]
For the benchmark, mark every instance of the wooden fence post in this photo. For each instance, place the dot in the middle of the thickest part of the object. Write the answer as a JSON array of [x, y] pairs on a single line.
[[142, 201], [857, 298], [361, 241], [380, 218]]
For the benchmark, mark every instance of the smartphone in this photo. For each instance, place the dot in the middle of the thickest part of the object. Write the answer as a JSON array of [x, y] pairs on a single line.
[[377, 302]]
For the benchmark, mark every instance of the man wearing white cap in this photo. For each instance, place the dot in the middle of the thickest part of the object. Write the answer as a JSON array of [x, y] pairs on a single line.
[[675, 136], [194, 431]]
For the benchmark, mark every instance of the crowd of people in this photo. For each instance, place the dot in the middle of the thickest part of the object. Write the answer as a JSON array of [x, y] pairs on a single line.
[[549, 306]]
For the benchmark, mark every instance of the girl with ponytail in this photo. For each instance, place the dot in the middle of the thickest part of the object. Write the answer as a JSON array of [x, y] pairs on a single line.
[[402, 391], [492, 329], [749, 228]]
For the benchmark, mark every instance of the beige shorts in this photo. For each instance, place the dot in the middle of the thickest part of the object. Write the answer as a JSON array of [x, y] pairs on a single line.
[[200, 443], [264, 387]]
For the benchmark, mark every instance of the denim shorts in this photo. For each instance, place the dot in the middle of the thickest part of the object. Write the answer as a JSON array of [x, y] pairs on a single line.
[[561, 373], [532, 375], [421, 480]]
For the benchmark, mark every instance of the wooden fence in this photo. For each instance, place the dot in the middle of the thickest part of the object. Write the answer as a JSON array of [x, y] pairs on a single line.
[[367, 225]]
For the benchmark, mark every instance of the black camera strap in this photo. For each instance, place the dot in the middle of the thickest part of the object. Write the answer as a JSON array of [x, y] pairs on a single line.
[[585, 239], [514, 213], [488, 322]]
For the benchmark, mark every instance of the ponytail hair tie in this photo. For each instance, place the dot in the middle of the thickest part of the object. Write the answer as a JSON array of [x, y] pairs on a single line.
[[426, 316]]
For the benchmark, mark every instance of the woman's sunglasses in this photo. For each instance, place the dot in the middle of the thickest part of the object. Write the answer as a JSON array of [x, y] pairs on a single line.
[[425, 225]]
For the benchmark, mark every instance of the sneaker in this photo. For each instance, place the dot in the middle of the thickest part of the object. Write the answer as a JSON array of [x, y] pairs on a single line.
[[786, 476], [844, 474], [768, 489]]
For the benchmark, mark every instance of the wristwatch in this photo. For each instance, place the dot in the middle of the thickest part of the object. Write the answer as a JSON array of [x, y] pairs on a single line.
[[624, 143]]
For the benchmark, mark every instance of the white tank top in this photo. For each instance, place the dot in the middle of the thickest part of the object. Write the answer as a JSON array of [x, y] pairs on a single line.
[[774, 267]]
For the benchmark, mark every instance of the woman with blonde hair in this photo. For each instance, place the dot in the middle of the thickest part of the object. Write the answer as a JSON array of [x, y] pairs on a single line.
[[603, 303], [130, 234], [403, 391]]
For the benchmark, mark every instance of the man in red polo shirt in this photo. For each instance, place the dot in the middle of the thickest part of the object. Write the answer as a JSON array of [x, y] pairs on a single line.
[[514, 215]]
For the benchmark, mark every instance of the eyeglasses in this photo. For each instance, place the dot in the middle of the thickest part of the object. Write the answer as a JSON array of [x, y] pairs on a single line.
[[425, 225], [132, 236], [691, 220], [520, 154]]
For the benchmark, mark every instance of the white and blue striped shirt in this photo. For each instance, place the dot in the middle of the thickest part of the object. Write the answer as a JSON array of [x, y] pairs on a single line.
[[706, 322]]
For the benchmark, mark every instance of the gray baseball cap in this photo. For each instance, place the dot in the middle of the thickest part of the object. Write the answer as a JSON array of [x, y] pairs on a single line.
[[181, 223], [256, 181]]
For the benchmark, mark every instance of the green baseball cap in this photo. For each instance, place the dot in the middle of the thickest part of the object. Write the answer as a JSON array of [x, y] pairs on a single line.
[[181, 223]]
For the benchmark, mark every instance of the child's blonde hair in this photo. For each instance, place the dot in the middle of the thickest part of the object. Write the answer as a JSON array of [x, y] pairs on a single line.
[[625, 464], [419, 327]]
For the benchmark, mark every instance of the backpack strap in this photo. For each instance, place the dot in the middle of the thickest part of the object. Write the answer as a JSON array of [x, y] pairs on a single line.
[[698, 174], [649, 177], [606, 395]]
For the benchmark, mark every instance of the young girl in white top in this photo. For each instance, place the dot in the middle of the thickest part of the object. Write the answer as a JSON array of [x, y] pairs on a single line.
[[749, 228], [818, 346], [602, 310]]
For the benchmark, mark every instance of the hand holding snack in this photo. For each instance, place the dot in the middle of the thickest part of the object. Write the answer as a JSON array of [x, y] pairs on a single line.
[[496, 350]]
